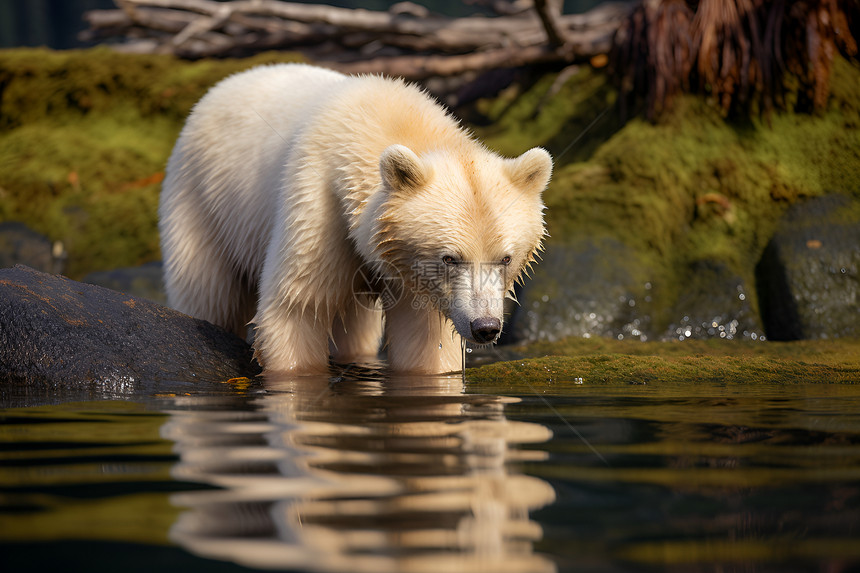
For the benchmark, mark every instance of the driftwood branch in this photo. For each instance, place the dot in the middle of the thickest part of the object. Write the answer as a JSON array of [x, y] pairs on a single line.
[[549, 12], [405, 41]]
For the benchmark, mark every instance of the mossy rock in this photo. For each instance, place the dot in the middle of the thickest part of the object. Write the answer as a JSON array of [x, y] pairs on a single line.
[[84, 138]]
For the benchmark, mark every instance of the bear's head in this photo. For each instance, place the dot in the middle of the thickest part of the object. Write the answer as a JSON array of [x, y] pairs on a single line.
[[461, 226]]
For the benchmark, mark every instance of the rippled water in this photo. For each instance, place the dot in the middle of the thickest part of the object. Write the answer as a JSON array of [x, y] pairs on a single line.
[[429, 474]]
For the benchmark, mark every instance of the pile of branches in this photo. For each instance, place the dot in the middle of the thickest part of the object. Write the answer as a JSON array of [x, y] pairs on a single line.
[[740, 53], [405, 41]]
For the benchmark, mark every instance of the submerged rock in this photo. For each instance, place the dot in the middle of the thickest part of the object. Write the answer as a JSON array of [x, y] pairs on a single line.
[[809, 274], [56, 334]]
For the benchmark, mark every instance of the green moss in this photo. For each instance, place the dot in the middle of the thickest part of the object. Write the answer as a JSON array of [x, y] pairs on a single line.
[[612, 362], [692, 187], [84, 138], [40, 84], [92, 184], [553, 113]]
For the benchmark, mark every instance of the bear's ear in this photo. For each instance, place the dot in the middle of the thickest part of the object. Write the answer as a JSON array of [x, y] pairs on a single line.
[[531, 170], [402, 170]]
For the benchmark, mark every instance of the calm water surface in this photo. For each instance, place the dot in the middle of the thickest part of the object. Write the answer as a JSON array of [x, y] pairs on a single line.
[[430, 474]]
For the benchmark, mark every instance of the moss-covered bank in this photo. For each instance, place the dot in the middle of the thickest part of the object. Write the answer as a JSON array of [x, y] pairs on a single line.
[[690, 192], [664, 211], [692, 174], [552, 367], [84, 138]]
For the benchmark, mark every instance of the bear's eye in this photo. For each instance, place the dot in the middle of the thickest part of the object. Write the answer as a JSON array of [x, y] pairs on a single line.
[[506, 260], [449, 260]]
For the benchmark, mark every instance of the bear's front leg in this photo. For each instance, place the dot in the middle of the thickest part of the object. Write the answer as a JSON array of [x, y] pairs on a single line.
[[421, 340], [357, 333], [292, 341]]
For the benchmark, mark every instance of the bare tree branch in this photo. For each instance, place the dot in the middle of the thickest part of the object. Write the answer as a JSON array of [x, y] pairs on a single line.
[[549, 12], [404, 41]]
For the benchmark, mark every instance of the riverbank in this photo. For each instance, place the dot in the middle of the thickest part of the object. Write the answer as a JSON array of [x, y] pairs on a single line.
[[657, 230], [604, 362]]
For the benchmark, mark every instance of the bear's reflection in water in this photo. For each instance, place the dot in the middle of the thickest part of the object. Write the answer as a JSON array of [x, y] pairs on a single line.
[[359, 475]]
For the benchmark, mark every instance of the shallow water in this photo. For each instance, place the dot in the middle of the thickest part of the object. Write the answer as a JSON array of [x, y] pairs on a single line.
[[431, 474]]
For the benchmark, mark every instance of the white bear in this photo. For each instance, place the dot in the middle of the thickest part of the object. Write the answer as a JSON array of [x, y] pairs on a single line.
[[311, 203]]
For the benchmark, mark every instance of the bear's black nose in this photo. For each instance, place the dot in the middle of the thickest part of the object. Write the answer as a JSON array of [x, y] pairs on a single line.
[[486, 329]]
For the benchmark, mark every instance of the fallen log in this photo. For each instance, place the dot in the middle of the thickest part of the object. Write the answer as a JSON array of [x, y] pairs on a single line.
[[405, 41]]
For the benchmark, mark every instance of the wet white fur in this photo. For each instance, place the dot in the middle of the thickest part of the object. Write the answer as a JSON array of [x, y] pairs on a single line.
[[286, 178]]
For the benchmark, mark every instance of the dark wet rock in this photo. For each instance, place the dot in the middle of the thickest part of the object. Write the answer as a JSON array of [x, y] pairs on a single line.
[[809, 274], [602, 288], [145, 281], [21, 245], [57, 334], [589, 288], [714, 302]]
